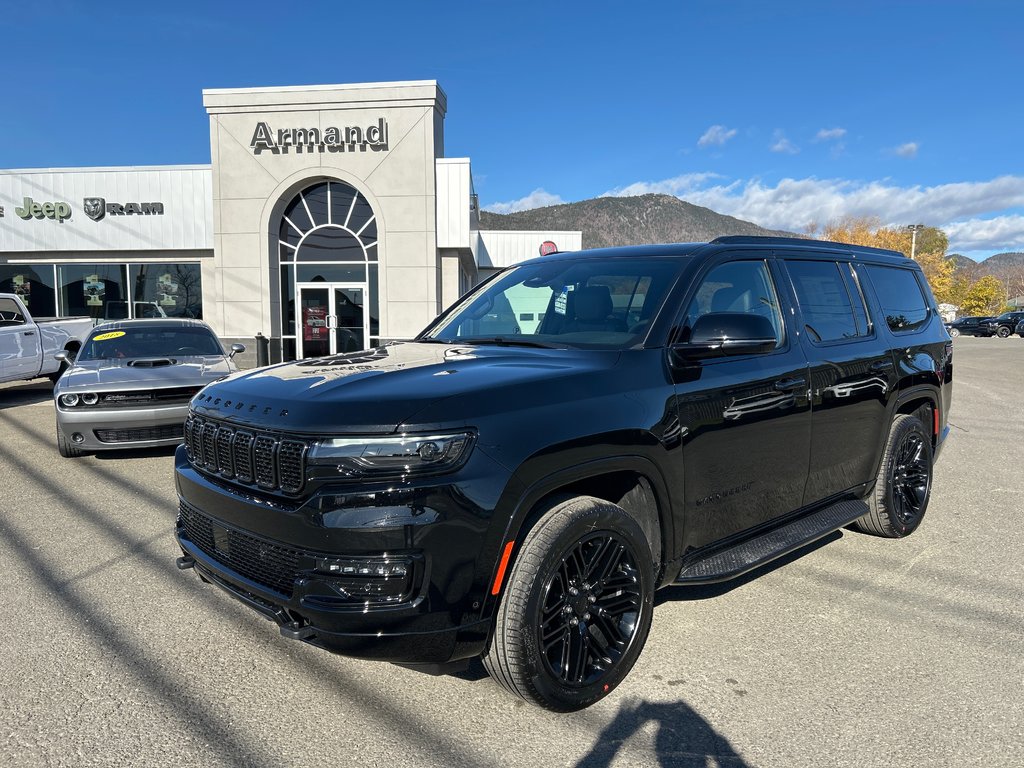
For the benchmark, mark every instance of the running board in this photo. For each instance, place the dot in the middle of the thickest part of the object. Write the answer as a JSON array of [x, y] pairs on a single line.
[[724, 564]]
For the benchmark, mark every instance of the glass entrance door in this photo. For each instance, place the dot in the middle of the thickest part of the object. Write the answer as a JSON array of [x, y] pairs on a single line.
[[333, 318]]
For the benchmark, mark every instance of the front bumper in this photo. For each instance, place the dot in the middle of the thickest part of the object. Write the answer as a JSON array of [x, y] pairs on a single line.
[[266, 551], [103, 429]]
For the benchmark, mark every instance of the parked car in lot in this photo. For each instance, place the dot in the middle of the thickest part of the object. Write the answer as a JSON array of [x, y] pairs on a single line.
[[1006, 323], [970, 326], [1019, 330], [28, 344], [130, 384], [682, 414]]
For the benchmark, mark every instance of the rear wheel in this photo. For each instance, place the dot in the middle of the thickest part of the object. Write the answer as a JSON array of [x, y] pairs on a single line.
[[904, 481], [1003, 332], [65, 447], [577, 608], [954, 332]]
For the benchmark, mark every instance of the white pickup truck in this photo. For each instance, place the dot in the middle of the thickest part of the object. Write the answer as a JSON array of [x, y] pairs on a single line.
[[27, 344]]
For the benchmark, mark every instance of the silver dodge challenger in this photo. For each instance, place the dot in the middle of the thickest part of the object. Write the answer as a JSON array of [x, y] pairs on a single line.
[[130, 384]]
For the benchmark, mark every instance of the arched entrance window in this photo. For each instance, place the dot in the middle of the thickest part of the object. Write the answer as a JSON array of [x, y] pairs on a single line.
[[327, 242]]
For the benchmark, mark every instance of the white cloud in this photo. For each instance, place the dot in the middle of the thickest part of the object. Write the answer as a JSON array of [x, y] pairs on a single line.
[[784, 145], [1001, 233], [716, 136], [536, 199], [679, 186], [830, 134], [906, 150], [967, 211]]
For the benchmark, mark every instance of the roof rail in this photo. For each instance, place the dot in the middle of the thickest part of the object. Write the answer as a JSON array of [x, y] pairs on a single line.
[[800, 241]]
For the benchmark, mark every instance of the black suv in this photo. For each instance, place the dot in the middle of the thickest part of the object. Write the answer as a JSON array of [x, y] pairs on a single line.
[[515, 485], [1006, 323], [970, 326]]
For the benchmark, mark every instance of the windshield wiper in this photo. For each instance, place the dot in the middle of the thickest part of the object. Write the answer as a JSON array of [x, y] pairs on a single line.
[[511, 341]]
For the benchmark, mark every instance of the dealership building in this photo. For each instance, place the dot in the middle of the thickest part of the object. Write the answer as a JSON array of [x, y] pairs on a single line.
[[328, 220]]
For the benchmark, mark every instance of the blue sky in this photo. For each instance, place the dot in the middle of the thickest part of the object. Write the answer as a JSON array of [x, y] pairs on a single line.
[[780, 113]]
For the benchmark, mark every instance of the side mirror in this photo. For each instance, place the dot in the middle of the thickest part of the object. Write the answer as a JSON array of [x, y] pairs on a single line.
[[237, 349], [64, 357], [720, 334]]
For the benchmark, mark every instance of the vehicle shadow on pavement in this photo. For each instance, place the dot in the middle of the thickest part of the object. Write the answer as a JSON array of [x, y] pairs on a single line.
[[684, 739], [681, 592], [29, 393]]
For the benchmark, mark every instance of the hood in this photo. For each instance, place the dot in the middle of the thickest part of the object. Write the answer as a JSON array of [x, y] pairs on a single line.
[[377, 390], [120, 374]]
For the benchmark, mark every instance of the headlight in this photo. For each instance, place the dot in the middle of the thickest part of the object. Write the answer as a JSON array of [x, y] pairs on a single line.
[[69, 400], [90, 398], [393, 455]]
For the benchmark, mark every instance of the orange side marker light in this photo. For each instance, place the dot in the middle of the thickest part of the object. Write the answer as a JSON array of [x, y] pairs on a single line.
[[501, 568]]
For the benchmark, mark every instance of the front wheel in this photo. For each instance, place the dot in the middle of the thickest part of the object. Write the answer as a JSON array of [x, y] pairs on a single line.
[[904, 481], [954, 332], [577, 608], [1003, 332]]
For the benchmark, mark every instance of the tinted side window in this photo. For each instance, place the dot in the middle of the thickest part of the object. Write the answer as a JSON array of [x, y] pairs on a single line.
[[899, 294], [737, 286], [9, 313], [825, 301]]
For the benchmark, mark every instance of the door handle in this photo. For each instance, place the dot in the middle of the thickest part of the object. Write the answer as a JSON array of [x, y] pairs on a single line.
[[30, 333], [880, 365], [788, 385]]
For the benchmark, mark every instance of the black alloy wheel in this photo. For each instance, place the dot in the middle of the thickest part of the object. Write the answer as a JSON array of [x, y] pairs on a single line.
[[591, 607], [577, 607], [910, 478], [904, 482], [1003, 332]]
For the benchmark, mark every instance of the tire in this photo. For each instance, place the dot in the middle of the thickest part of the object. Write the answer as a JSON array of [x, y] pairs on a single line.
[[1003, 332], [65, 447], [954, 332], [576, 609], [904, 482]]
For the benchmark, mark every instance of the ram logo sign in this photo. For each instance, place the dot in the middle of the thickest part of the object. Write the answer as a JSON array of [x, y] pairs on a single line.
[[97, 207]]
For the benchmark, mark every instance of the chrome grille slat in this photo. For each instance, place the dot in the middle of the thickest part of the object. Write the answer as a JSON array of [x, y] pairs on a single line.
[[225, 458], [269, 461], [243, 456]]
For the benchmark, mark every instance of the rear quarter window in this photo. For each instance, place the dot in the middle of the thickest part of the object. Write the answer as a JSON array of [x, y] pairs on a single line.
[[903, 302]]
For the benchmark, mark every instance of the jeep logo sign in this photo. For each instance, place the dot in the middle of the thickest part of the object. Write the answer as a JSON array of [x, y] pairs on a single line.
[[373, 136], [31, 209]]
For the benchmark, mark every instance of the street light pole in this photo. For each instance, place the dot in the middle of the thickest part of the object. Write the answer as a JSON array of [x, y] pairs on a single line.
[[914, 229]]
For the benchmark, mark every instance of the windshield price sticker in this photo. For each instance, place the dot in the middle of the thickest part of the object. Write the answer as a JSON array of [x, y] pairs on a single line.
[[108, 336]]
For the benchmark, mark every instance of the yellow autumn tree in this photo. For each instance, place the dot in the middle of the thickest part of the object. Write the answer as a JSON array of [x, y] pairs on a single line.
[[985, 297], [930, 250]]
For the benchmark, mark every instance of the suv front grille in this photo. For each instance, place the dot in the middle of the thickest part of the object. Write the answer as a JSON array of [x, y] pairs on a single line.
[[269, 461], [270, 564]]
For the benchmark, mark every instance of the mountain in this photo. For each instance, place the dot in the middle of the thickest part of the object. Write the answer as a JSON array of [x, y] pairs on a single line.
[[611, 221], [1001, 265]]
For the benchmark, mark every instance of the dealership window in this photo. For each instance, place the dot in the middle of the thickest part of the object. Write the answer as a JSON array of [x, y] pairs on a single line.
[[327, 236], [166, 290], [94, 290], [33, 284]]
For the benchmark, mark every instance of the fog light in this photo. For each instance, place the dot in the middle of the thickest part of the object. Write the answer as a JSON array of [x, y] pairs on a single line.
[[70, 400], [368, 580], [90, 398], [77, 437]]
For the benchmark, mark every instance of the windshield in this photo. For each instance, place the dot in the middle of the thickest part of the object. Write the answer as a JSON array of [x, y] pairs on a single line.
[[140, 342], [601, 303]]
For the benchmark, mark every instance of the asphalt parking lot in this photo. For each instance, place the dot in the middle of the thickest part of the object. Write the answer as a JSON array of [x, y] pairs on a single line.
[[861, 652]]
